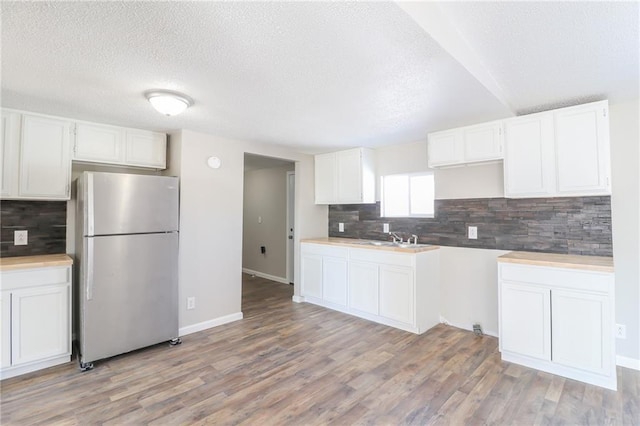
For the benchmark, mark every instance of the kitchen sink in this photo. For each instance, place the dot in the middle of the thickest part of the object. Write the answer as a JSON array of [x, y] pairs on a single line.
[[389, 244]]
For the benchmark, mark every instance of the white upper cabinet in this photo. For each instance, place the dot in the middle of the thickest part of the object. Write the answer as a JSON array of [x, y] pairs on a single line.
[[97, 143], [36, 161], [471, 144], [563, 152], [345, 177], [483, 142], [582, 149], [445, 148], [10, 151], [528, 161]]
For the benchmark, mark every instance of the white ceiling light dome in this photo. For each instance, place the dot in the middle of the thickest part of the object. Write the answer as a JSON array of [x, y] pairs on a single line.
[[168, 102]]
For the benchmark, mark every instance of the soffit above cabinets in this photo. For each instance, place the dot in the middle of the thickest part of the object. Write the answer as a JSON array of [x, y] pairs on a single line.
[[314, 77]]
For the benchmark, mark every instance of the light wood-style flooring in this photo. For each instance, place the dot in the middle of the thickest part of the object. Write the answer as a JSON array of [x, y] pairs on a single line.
[[298, 364]]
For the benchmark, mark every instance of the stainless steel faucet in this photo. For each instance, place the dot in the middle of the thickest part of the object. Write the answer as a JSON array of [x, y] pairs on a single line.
[[396, 238], [415, 239]]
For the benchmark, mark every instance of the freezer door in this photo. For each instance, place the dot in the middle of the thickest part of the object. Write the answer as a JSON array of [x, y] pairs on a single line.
[[128, 293], [116, 203]]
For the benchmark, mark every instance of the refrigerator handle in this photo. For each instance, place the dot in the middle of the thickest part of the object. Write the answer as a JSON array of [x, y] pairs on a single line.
[[89, 272], [89, 198]]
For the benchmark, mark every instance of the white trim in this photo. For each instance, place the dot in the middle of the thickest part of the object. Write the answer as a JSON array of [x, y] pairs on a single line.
[[267, 276], [289, 219], [297, 299], [627, 362], [444, 321], [194, 328]]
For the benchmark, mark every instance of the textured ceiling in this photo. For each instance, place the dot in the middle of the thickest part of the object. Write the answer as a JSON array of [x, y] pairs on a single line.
[[315, 75], [552, 54]]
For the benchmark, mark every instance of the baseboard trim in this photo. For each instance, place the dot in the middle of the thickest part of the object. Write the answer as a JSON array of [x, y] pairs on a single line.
[[194, 328], [297, 299], [267, 276], [627, 362]]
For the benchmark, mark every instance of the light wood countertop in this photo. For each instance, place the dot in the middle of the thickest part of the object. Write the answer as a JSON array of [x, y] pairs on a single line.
[[361, 244], [571, 261], [41, 261]]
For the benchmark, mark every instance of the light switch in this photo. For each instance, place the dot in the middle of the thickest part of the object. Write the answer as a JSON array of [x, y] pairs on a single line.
[[20, 238], [340, 227]]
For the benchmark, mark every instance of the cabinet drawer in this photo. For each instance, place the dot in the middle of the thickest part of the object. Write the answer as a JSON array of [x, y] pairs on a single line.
[[35, 277], [382, 257], [557, 277], [324, 250]]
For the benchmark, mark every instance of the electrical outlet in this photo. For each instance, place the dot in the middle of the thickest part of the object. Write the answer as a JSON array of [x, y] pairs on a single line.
[[385, 228], [340, 227], [20, 238], [191, 303], [621, 331], [473, 232], [259, 219]]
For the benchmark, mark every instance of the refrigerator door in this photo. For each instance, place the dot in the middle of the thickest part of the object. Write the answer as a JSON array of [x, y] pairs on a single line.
[[116, 203], [128, 293]]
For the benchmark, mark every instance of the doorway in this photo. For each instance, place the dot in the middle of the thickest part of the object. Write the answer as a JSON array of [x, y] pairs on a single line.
[[268, 218]]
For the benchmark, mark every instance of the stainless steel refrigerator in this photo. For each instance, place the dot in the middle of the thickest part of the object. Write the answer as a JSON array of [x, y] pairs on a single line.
[[127, 252]]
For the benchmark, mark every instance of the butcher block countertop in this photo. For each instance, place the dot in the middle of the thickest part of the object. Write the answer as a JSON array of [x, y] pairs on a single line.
[[571, 261], [41, 261], [371, 244]]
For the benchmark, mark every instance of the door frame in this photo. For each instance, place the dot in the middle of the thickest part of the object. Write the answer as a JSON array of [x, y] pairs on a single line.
[[290, 225]]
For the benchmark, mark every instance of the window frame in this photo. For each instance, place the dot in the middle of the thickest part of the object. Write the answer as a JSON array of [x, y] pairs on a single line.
[[409, 214]]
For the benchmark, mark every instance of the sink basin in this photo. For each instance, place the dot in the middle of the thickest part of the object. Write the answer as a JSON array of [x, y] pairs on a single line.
[[390, 244]]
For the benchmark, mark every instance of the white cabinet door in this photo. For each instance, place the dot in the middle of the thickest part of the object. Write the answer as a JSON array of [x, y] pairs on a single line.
[[334, 280], [349, 169], [100, 144], [5, 329], [582, 150], [10, 151], [325, 178], [147, 149], [483, 142], [445, 148], [581, 330], [40, 326], [529, 157], [311, 271], [525, 320], [45, 160], [396, 293], [363, 287]]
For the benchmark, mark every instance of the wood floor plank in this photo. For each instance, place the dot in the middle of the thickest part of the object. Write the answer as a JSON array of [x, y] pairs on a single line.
[[286, 363]]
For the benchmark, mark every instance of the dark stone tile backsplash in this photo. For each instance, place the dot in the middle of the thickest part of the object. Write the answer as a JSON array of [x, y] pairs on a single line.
[[46, 222], [567, 225]]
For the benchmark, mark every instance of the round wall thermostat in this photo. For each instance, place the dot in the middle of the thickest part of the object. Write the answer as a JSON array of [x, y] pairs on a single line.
[[214, 162]]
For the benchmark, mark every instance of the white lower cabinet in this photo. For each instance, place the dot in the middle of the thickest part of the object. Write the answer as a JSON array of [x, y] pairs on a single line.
[[396, 293], [36, 319], [559, 320], [334, 283], [363, 287], [391, 288]]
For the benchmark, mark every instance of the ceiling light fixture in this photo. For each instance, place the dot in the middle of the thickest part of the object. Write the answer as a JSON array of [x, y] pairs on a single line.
[[167, 102]]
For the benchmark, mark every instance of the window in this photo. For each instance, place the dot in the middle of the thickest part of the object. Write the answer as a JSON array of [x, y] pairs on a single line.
[[407, 195]]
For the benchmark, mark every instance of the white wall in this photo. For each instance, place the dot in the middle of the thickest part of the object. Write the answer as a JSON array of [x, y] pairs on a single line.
[[211, 209], [265, 196], [469, 287], [625, 209]]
